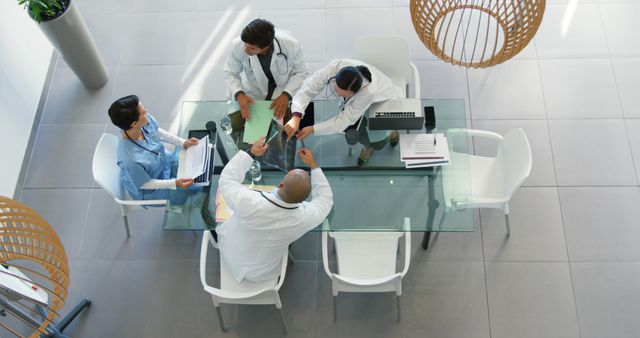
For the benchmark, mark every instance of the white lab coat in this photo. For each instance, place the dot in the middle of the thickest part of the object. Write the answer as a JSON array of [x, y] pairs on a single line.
[[244, 72], [380, 89], [254, 239]]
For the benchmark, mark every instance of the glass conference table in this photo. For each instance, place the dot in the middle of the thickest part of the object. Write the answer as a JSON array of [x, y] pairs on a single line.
[[374, 197]]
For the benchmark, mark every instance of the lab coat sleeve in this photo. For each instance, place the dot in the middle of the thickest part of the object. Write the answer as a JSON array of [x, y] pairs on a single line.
[[233, 68], [313, 86], [299, 72], [321, 199], [159, 184], [239, 198], [167, 137], [351, 113]]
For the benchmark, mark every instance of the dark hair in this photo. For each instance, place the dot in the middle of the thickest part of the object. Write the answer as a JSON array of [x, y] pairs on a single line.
[[350, 77], [124, 111], [259, 32]]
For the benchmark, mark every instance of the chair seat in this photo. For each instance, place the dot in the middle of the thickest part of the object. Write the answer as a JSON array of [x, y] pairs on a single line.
[[471, 177], [366, 255], [228, 283]]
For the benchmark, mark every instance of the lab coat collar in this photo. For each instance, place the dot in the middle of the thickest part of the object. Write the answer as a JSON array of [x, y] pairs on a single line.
[[274, 197]]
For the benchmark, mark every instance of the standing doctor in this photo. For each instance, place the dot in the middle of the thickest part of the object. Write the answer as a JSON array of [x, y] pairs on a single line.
[[272, 63]]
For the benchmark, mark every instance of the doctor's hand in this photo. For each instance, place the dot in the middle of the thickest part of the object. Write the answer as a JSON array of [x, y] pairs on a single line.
[[258, 148], [184, 183], [307, 158], [244, 101], [190, 142], [304, 133], [279, 106], [291, 128]]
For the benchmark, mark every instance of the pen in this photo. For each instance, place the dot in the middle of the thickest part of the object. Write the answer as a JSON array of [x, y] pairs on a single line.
[[302, 142], [434, 139]]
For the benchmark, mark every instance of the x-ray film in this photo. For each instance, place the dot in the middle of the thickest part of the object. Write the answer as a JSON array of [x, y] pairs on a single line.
[[281, 153]]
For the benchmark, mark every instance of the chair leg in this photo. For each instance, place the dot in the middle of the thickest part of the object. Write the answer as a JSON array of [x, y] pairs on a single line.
[[284, 324], [219, 312], [335, 308], [507, 221], [398, 302], [126, 225]]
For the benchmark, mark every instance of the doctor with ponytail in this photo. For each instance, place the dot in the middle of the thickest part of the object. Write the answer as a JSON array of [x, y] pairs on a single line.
[[358, 85]]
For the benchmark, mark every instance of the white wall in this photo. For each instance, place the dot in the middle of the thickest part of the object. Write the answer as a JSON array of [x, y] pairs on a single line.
[[25, 54]]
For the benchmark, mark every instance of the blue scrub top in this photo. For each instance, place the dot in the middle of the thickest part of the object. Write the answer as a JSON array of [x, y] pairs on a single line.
[[138, 165]]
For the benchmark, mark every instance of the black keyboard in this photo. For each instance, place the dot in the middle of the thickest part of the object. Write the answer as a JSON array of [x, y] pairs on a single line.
[[205, 212], [394, 114]]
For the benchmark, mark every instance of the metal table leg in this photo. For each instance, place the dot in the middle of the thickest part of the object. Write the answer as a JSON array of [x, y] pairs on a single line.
[[432, 205]]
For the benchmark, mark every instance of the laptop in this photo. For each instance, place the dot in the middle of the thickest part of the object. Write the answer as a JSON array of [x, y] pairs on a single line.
[[396, 114], [205, 157]]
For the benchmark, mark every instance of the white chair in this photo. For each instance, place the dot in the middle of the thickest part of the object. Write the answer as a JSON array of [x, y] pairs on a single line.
[[107, 174], [390, 54], [232, 292], [366, 261], [473, 181]]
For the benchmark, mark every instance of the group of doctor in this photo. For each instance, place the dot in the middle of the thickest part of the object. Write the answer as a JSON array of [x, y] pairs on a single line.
[[268, 64], [263, 64]]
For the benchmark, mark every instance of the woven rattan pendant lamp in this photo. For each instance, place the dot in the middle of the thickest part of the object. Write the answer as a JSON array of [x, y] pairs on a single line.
[[34, 275], [476, 33]]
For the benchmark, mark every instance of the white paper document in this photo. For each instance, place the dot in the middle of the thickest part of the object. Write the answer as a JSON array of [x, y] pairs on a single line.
[[424, 150], [192, 160]]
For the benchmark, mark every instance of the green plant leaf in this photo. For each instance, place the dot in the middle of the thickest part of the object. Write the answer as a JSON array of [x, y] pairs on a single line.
[[38, 9]]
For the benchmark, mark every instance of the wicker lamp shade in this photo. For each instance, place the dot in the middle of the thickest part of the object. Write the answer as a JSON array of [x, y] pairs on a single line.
[[476, 33], [30, 244]]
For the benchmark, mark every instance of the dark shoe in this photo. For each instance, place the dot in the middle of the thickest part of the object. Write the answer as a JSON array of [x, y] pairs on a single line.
[[393, 141]]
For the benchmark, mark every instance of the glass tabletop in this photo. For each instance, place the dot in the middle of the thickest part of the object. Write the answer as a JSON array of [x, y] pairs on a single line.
[[374, 197]]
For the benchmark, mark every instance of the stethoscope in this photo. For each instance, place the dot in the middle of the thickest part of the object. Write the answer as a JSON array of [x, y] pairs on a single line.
[[330, 92], [280, 55], [140, 145], [274, 203]]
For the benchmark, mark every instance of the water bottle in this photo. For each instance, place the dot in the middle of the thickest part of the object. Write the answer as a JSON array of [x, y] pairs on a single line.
[[255, 172], [225, 125]]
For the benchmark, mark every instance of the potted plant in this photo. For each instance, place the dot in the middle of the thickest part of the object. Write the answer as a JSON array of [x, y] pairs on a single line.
[[62, 23]]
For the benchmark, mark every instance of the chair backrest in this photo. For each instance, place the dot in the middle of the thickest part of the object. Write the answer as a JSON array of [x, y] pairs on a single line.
[[387, 52], [367, 260], [105, 167], [514, 156], [366, 255]]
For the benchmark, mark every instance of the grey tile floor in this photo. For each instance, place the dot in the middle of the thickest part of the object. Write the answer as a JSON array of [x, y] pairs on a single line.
[[571, 267]]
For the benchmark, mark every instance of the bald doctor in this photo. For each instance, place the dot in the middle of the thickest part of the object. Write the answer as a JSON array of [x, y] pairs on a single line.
[[272, 63], [263, 224]]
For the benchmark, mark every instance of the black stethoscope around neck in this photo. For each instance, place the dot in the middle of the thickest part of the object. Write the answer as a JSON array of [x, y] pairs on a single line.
[[274, 203], [140, 145]]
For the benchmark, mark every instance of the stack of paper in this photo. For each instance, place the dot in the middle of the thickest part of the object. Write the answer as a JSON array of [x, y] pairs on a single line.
[[423, 150], [223, 212]]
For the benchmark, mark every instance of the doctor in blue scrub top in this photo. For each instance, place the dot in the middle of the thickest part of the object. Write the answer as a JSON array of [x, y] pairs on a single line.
[[148, 172]]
